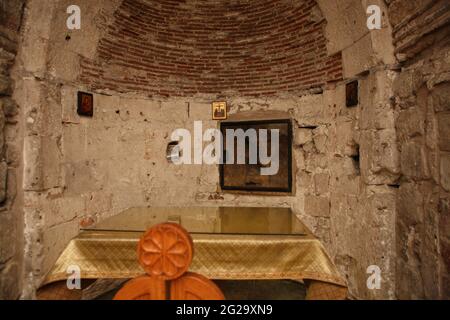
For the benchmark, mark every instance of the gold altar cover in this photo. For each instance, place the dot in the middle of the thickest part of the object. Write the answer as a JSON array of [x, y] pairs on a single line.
[[112, 255]]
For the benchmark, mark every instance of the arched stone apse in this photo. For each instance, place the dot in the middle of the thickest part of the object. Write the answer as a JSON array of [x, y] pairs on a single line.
[[154, 66]]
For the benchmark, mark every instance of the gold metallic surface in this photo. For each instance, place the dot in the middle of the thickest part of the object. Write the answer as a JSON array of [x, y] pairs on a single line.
[[222, 256]]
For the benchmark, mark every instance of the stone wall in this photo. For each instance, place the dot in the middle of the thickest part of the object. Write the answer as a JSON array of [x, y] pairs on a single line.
[[10, 156], [379, 170], [422, 108], [116, 160], [81, 170]]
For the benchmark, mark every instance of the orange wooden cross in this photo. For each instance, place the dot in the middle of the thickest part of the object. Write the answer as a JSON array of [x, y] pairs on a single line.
[[165, 252]]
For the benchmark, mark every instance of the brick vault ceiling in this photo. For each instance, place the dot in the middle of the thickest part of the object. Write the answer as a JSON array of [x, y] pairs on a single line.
[[222, 47]]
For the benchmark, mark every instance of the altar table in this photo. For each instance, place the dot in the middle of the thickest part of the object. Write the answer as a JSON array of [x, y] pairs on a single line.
[[229, 244]]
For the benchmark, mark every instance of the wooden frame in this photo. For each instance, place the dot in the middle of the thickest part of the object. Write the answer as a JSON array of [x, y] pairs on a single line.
[[258, 189], [351, 94], [85, 106], [219, 111]]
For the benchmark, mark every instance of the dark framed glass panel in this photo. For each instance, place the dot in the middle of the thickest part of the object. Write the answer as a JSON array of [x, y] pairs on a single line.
[[248, 176]]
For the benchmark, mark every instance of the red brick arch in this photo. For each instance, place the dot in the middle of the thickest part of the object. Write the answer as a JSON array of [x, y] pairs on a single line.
[[183, 48]]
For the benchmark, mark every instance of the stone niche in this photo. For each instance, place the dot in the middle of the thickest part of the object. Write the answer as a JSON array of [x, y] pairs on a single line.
[[97, 167], [370, 181]]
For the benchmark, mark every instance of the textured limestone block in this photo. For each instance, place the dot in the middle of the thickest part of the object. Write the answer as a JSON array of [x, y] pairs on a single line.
[[343, 166], [61, 210], [109, 109], [430, 254], [410, 123], [64, 66], [410, 204], [300, 160], [10, 108], [317, 206], [98, 141], [200, 111], [178, 108], [81, 177], [445, 249], [444, 223], [320, 137], [12, 184], [2, 130], [69, 105], [125, 197], [310, 111], [445, 171], [376, 109], [35, 53], [441, 97], [345, 24], [358, 57], [414, 161], [407, 82], [417, 231], [379, 157], [130, 143], [3, 180], [93, 22], [345, 184], [334, 100], [7, 231], [315, 162], [36, 34], [302, 136], [5, 85], [409, 282], [444, 131], [304, 180], [343, 141], [370, 217], [74, 143], [30, 96], [321, 183], [9, 275], [98, 202], [33, 172], [309, 148], [54, 241], [322, 230], [384, 50], [6, 56], [51, 162]]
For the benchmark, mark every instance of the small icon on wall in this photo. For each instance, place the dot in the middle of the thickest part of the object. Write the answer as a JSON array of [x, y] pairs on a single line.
[[85, 104], [219, 111], [352, 95]]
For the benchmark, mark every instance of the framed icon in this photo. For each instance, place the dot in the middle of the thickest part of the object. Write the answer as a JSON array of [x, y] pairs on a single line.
[[85, 104], [247, 177], [352, 96], [219, 111]]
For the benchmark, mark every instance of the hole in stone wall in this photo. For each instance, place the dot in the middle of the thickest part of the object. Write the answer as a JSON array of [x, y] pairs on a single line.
[[308, 127], [351, 94], [394, 185], [356, 160], [173, 152]]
